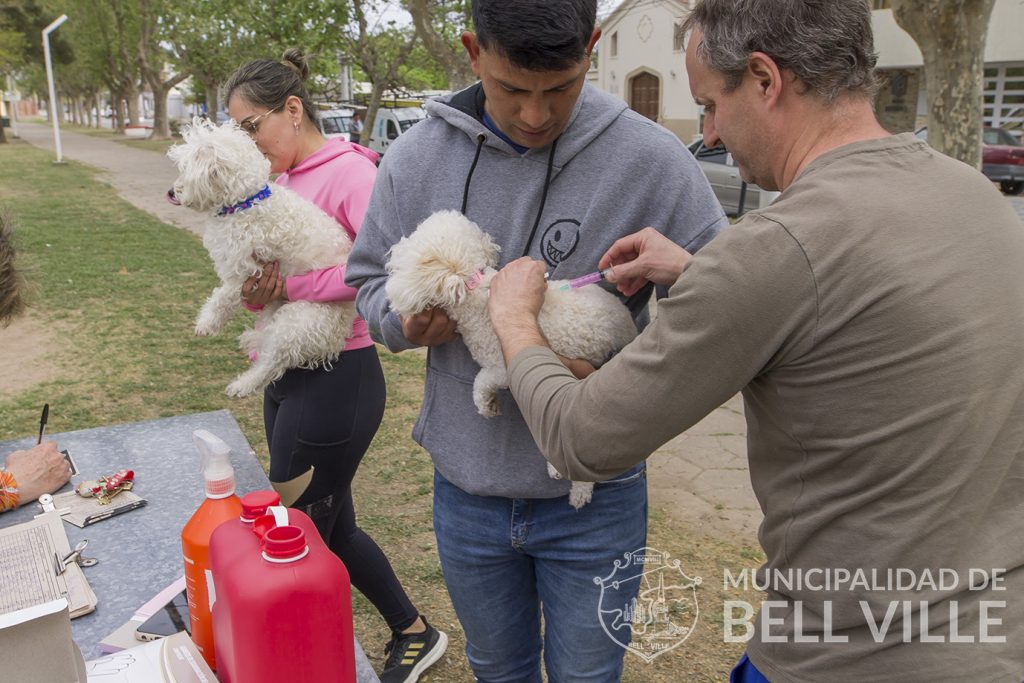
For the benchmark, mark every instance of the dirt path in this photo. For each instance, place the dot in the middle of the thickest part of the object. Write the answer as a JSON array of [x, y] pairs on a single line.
[[30, 347]]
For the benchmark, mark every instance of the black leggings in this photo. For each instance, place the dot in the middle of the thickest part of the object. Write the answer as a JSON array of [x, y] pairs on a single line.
[[326, 420]]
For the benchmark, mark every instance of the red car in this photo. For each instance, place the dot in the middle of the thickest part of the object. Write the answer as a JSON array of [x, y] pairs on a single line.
[[1002, 158]]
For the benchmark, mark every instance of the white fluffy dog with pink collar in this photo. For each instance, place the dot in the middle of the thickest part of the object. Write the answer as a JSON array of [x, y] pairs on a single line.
[[223, 174], [448, 262]]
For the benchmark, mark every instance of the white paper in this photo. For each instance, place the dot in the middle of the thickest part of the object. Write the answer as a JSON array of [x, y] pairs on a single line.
[[28, 568]]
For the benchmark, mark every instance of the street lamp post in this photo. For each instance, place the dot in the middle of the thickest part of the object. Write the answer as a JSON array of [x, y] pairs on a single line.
[[49, 79], [14, 107]]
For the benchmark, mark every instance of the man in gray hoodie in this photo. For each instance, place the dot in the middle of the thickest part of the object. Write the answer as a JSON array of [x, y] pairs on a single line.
[[556, 170]]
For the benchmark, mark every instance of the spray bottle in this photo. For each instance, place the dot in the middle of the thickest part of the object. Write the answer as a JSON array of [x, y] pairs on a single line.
[[221, 505]]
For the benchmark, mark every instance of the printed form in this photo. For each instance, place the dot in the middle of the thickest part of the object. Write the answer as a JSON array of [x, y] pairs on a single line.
[[30, 571]]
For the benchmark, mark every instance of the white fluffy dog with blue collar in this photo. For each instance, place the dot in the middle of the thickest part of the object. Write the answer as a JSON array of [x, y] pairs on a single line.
[[222, 173], [448, 262]]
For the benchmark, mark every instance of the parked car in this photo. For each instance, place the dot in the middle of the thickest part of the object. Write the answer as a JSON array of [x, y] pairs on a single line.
[[390, 123], [1002, 158], [337, 123], [736, 196]]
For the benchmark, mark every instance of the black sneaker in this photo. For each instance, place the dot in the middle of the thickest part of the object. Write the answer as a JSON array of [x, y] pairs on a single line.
[[411, 654]]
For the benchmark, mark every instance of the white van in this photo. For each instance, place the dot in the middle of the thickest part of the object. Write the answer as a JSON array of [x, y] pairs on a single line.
[[392, 122], [336, 123]]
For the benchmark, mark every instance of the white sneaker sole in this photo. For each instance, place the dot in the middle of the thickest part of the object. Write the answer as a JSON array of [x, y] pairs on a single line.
[[430, 659]]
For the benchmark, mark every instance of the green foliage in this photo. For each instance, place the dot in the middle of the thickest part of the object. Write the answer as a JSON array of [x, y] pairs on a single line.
[[314, 26], [439, 25], [422, 72], [105, 34], [28, 18], [13, 47]]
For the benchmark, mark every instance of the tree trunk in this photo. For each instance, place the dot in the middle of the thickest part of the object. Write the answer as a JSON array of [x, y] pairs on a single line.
[[161, 126], [951, 35], [131, 96], [117, 106], [452, 59], [212, 101], [370, 120]]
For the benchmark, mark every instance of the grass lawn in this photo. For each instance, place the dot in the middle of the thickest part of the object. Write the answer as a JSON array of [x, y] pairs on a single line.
[[124, 288]]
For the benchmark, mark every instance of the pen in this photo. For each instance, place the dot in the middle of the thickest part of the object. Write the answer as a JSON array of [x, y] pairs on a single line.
[[42, 421]]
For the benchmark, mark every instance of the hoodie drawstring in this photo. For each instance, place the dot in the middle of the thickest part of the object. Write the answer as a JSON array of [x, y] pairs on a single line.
[[481, 138], [543, 197]]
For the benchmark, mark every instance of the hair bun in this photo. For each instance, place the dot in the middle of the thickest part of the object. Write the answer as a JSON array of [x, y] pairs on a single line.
[[295, 59]]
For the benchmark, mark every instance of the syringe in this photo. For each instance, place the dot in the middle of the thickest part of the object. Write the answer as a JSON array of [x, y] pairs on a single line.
[[585, 280]]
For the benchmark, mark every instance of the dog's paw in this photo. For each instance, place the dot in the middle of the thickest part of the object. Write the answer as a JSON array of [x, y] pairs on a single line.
[[207, 326], [489, 407], [580, 493], [553, 473], [241, 388], [486, 402]]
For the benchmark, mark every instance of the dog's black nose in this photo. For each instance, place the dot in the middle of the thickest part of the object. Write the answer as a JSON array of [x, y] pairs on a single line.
[[171, 198]]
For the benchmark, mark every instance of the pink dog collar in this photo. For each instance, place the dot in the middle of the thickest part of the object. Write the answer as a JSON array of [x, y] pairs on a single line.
[[474, 281]]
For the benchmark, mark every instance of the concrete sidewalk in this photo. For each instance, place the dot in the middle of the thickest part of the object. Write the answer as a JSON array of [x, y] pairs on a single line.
[[142, 177], [700, 477]]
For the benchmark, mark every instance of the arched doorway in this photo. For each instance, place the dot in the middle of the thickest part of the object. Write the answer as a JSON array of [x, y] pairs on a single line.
[[643, 95]]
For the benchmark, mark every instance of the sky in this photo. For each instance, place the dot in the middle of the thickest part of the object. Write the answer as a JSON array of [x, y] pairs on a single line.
[[392, 11]]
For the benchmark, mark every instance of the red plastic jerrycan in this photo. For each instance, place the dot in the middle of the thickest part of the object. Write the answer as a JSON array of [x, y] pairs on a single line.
[[231, 540], [278, 515], [284, 613]]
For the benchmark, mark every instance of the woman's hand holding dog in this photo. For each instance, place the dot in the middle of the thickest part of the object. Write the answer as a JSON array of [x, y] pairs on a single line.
[[645, 256], [267, 286]]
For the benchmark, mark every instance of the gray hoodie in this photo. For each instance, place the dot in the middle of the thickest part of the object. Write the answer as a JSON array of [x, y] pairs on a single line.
[[612, 173]]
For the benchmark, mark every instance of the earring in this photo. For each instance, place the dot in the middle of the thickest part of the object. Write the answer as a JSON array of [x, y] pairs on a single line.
[[296, 128]]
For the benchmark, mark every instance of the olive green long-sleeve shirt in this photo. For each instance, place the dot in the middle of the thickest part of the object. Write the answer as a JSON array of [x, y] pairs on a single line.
[[873, 318]]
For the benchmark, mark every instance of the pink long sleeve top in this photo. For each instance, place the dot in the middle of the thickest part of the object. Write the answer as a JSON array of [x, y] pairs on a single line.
[[338, 178]]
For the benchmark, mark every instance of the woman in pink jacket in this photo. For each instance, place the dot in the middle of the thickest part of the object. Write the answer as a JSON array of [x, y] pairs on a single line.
[[323, 420]]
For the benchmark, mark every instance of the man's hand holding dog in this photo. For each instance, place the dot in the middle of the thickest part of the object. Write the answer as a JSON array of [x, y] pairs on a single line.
[[267, 286], [429, 328], [517, 295]]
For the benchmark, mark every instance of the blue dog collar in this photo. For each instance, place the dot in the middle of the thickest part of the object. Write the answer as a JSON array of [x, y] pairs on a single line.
[[246, 203]]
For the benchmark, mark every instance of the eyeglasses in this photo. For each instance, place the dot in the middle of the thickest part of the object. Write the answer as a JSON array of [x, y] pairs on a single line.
[[252, 126]]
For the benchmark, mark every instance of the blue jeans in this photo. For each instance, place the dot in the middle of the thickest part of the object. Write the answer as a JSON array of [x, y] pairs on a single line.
[[505, 560], [746, 672]]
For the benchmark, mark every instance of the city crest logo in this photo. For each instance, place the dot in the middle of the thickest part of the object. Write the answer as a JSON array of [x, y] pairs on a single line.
[[648, 604]]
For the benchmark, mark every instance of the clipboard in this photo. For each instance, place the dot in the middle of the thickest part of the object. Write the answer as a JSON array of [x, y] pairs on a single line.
[[82, 512], [28, 571]]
